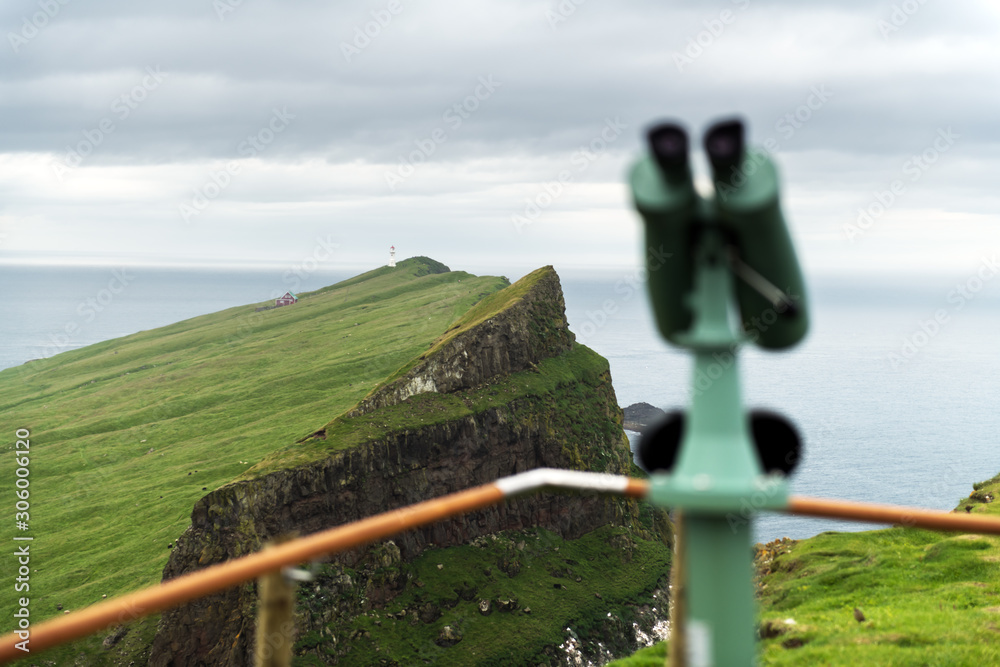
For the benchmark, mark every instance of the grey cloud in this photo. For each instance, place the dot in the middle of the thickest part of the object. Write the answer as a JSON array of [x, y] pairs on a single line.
[[558, 83]]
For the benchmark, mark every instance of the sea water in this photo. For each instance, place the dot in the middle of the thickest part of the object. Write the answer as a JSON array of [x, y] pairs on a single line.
[[917, 429], [53, 309], [882, 421]]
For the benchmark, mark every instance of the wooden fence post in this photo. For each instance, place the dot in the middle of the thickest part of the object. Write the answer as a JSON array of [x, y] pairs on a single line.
[[275, 617]]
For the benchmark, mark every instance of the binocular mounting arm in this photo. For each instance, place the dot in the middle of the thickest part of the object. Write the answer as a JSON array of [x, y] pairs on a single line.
[[781, 301]]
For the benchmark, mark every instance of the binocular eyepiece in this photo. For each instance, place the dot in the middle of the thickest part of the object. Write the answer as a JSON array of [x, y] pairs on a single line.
[[724, 144], [745, 207], [669, 145]]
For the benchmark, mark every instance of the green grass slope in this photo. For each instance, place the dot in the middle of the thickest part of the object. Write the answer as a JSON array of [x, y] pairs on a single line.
[[127, 434], [927, 598], [555, 387], [551, 377], [541, 589]]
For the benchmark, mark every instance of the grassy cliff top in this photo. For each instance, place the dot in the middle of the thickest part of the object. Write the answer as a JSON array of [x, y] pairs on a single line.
[[346, 431], [126, 435], [414, 267], [579, 365], [489, 307], [494, 304]]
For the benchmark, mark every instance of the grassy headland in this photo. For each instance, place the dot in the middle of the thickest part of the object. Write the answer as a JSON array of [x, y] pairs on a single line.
[[127, 434]]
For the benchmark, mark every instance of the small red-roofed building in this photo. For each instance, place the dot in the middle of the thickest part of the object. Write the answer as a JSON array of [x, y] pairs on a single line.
[[285, 300]]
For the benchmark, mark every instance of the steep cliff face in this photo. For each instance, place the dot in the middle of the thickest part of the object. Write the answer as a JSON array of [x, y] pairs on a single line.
[[504, 391], [508, 332]]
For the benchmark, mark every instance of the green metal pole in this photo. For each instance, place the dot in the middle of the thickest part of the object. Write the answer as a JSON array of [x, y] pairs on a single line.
[[717, 549], [720, 608], [716, 455]]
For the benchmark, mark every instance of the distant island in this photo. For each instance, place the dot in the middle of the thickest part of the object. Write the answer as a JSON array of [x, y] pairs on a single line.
[[640, 415]]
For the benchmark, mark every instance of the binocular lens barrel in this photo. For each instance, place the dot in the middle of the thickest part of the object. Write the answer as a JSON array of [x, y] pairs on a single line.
[[748, 208], [664, 195]]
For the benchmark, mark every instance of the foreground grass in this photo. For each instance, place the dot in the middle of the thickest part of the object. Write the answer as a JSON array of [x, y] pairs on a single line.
[[127, 434], [927, 598], [653, 656]]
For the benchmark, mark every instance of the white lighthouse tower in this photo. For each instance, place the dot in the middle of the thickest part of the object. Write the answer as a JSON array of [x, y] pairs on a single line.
[[392, 256]]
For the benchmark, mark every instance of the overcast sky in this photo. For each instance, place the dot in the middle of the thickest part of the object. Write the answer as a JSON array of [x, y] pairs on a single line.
[[267, 132]]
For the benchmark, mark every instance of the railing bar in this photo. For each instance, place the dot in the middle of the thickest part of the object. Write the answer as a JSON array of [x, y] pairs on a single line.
[[904, 516]]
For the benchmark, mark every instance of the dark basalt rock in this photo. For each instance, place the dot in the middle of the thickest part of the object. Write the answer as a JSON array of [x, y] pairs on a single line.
[[640, 415], [448, 636]]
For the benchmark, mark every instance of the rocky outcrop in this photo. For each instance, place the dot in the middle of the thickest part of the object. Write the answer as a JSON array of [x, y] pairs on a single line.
[[639, 416], [405, 466], [530, 328]]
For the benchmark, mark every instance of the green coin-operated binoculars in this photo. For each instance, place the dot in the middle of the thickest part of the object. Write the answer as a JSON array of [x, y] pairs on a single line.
[[731, 277]]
